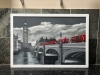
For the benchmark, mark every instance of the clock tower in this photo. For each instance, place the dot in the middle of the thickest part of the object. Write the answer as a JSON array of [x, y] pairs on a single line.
[[25, 35]]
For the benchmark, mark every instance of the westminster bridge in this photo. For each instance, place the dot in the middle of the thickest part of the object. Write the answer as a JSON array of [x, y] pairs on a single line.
[[70, 53]]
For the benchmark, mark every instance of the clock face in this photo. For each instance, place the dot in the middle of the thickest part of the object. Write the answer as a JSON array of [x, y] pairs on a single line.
[[25, 29]]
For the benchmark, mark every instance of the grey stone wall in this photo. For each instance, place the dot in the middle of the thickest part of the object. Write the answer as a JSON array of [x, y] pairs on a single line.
[[94, 32], [5, 35]]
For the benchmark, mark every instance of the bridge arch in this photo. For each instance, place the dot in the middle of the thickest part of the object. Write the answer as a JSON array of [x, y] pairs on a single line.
[[36, 49], [40, 50], [51, 56], [35, 52], [75, 58], [52, 51]]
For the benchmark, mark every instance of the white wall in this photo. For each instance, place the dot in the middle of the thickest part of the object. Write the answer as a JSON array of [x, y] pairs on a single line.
[[52, 4]]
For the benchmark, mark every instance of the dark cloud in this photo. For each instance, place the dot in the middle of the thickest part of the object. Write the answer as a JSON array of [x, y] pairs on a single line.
[[33, 21]]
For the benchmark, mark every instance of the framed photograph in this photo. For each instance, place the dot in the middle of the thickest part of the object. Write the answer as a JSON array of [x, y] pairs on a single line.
[[49, 40]]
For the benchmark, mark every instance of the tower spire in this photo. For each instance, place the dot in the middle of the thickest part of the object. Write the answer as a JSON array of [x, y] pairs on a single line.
[[25, 22], [25, 35]]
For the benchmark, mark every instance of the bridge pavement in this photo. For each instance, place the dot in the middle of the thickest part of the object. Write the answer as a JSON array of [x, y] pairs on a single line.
[[25, 58]]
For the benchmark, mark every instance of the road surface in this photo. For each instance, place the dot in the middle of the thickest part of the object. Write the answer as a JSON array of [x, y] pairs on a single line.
[[25, 58]]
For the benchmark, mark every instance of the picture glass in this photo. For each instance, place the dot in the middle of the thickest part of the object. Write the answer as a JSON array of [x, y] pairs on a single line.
[[49, 40]]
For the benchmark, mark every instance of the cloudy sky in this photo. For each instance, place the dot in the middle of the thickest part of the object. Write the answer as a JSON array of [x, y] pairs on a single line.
[[49, 27]]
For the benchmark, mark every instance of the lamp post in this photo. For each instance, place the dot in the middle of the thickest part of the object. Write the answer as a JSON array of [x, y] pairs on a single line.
[[60, 34], [44, 52], [61, 47]]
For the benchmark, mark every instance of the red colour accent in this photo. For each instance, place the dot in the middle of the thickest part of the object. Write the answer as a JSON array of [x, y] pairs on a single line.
[[79, 38]]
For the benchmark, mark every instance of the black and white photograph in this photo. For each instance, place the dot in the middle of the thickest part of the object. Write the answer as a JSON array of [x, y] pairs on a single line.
[[49, 40]]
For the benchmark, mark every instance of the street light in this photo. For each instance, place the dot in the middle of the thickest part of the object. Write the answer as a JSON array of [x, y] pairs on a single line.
[[44, 52], [60, 38], [60, 34], [61, 50]]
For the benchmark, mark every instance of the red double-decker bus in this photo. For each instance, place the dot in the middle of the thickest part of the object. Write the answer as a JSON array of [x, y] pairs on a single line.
[[79, 38], [64, 40]]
